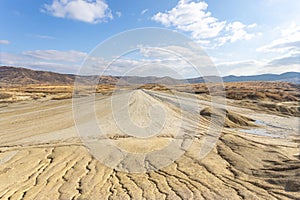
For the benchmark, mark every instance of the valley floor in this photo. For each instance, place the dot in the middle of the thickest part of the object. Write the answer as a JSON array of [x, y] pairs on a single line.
[[42, 156]]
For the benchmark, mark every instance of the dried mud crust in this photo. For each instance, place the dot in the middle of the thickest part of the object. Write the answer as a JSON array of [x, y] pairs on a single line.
[[41, 157]]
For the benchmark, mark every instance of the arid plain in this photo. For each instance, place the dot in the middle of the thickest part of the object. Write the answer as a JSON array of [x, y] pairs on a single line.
[[255, 157]]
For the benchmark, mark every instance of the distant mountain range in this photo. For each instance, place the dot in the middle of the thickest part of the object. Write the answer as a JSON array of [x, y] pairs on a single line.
[[291, 77], [23, 76]]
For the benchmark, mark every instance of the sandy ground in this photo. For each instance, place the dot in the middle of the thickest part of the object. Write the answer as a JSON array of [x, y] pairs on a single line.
[[42, 156]]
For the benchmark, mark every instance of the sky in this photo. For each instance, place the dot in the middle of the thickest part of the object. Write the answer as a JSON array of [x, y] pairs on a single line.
[[239, 37]]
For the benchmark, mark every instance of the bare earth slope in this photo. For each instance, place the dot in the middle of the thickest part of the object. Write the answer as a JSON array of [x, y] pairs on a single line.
[[21, 76], [41, 156]]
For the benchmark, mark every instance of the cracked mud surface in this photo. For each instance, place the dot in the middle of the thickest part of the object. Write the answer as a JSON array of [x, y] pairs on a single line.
[[41, 157]]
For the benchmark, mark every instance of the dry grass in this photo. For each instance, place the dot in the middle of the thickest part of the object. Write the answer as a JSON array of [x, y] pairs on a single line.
[[270, 97], [44, 92]]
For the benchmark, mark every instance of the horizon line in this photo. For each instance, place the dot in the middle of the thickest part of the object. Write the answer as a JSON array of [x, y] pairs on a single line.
[[41, 70]]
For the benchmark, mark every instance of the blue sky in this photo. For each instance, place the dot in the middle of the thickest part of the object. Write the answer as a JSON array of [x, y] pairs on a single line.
[[241, 37]]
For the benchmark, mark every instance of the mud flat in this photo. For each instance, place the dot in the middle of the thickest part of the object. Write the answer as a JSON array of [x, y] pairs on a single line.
[[42, 157]]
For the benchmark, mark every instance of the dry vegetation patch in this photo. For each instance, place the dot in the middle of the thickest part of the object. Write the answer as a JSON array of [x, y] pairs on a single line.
[[271, 97]]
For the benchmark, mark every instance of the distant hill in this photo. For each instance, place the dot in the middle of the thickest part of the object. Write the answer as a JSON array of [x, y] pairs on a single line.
[[23, 76], [292, 77]]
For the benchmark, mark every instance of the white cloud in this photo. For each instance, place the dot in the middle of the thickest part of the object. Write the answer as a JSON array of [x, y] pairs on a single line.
[[283, 55], [4, 42], [236, 31], [279, 69], [194, 18], [159, 63], [119, 14], [285, 50], [149, 60], [50, 60], [293, 59], [65, 56], [240, 67], [191, 17], [44, 37], [288, 42], [90, 11], [10, 59], [276, 65], [144, 11], [18, 60]]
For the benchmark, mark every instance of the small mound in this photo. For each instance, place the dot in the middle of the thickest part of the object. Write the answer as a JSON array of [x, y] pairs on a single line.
[[232, 119]]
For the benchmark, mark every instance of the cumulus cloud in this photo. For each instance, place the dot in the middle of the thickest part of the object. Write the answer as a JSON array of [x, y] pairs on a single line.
[[194, 18], [90, 11], [191, 17], [4, 42], [236, 31]]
